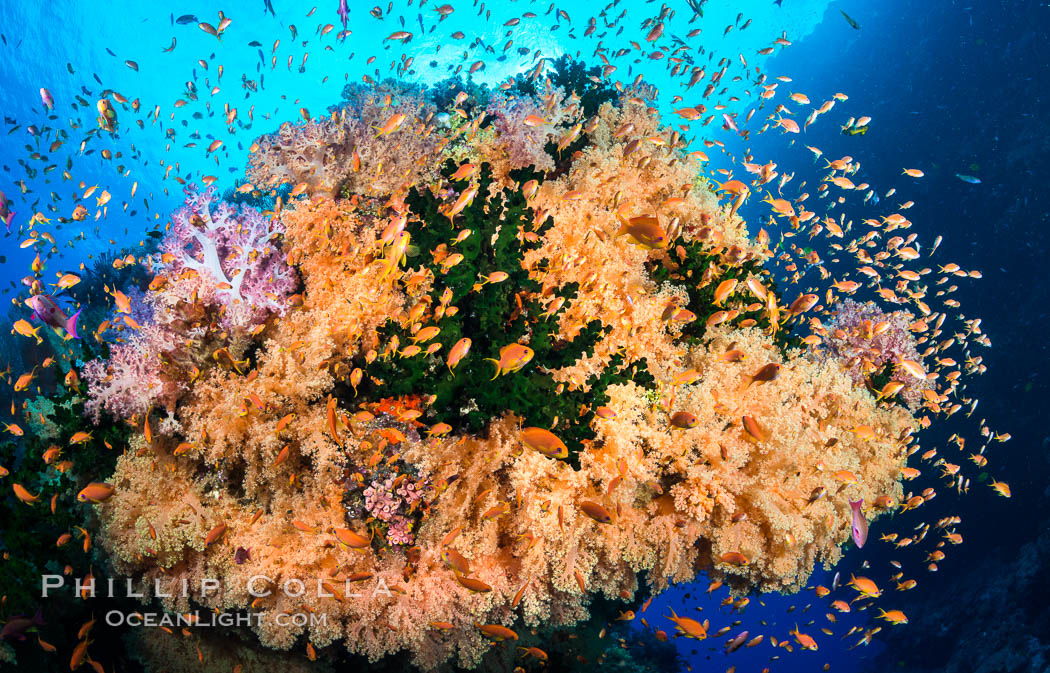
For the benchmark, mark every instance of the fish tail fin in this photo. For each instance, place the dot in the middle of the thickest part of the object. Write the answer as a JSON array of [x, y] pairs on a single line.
[[71, 325]]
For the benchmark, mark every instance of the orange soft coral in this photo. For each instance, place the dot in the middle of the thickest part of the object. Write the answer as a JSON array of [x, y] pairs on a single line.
[[753, 488]]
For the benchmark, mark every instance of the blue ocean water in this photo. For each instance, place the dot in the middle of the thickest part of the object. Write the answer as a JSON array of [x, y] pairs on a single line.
[[951, 87]]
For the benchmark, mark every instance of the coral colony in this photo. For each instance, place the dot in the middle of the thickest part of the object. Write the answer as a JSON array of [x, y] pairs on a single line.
[[509, 353]]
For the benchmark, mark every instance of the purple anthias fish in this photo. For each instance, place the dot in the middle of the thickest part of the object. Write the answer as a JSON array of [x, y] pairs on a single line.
[[6, 214], [46, 309], [860, 524], [17, 625], [344, 12], [735, 644]]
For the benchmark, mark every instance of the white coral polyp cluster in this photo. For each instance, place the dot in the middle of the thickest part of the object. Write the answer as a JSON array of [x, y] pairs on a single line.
[[234, 253]]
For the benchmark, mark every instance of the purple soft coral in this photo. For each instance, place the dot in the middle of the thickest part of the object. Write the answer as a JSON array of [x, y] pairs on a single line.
[[131, 380], [234, 251], [524, 143], [866, 338]]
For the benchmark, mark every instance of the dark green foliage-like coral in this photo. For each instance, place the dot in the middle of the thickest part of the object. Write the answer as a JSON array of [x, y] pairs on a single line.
[[493, 316], [689, 270], [572, 76], [443, 95]]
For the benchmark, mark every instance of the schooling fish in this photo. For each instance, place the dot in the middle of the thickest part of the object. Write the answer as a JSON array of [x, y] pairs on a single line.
[[968, 178], [46, 309], [186, 19]]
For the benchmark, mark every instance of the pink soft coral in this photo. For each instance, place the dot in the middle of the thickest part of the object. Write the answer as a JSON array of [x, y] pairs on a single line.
[[523, 143], [131, 380], [234, 254], [866, 339]]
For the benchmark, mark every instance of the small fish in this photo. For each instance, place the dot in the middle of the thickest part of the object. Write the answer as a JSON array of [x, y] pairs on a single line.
[[458, 352], [47, 310], [96, 493], [343, 11], [6, 214], [968, 178], [25, 329], [684, 420], [768, 373], [17, 625], [496, 632], [512, 358], [67, 280], [851, 22], [644, 231], [736, 643], [804, 641], [545, 442], [893, 616], [392, 124], [690, 628], [186, 19], [859, 523], [595, 511]]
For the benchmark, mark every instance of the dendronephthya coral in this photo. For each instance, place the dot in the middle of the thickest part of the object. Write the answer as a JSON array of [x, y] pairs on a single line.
[[477, 371]]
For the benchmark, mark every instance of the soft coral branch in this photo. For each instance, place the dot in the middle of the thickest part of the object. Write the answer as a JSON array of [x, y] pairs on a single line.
[[235, 251]]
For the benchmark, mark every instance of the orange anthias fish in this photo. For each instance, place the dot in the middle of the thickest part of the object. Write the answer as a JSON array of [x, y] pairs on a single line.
[[392, 124], [805, 641], [496, 632], [512, 358], [96, 493], [690, 628], [644, 231], [545, 442], [24, 495], [595, 511]]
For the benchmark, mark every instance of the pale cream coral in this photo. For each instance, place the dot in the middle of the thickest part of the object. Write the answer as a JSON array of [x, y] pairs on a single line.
[[344, 148]]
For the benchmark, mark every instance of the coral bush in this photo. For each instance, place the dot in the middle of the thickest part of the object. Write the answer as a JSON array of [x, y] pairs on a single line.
[[871, 344], [219, 275], [532, 357], [343, 149]]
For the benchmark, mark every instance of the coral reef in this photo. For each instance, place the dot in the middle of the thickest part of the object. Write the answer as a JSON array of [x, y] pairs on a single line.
[[531, 357]]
